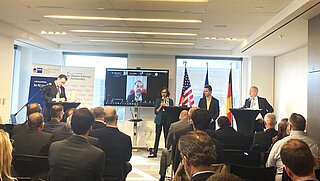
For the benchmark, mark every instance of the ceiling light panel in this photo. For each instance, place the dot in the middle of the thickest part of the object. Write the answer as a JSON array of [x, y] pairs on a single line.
[[143, 42], [139, 33]]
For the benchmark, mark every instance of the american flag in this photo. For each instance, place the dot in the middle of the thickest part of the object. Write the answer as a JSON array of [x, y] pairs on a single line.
[[186, 97]]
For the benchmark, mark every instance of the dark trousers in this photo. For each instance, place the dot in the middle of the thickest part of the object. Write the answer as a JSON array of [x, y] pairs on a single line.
[[158, 134]]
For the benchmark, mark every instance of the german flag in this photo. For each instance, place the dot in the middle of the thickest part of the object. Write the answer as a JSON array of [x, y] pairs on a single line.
[[229, 98]]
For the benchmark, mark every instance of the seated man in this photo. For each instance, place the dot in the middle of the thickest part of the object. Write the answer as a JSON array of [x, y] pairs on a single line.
[[56, 113], [296, 127], [115, 144], [98, 113], [31, 108], [33, 141], [74, 158], [198, 153], [228, 136], [299, 162], [263, 140]]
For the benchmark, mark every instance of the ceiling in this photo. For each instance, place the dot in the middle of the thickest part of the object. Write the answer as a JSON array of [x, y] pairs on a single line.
[[238, 27]]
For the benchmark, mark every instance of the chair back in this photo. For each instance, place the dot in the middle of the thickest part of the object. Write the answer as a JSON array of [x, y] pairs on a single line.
[[285, 176], [113, 170], [253, 173], [242, 157], [31, 166]]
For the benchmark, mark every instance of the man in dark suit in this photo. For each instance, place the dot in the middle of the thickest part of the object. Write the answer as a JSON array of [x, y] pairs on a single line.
[[56, 113], [256, 102], [228, 136], [115, 144], [98, 113], [33, 141], [54, 92], [138, 94], [74, 158], [263, 140], [31, 108], [210, 104], [198, 153]]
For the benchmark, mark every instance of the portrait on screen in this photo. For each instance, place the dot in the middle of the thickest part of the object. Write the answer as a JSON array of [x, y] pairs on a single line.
[[136, 88]]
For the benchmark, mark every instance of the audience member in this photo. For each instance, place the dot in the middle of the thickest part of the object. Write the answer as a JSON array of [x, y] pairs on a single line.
[[297, 125], [282, 130], [198, 153], [299, 163], [98, 113], [263, 140], [74, 158], [115, 144], [224, 177], [33, 141], [228, 136], [5, 157], [66, 131], [166, 155], [56, 113], [31, 108]]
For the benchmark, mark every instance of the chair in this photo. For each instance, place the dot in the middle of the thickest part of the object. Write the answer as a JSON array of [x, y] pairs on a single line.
[[253, 173], [30, 167], [242, 157], [113, 170]]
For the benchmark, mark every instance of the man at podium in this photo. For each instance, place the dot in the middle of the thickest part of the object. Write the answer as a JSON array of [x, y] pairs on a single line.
[[255, 102], [54, 92]]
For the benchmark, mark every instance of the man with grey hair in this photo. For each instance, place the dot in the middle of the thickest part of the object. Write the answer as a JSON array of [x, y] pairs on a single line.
[[263, 140], [198, 152], [296, 127], [115, 144], [98, 113]]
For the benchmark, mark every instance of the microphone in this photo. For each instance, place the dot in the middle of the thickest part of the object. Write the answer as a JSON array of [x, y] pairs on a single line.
[[45, 85]]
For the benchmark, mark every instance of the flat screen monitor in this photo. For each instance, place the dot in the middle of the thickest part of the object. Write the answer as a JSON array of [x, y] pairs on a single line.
[[134, 87]]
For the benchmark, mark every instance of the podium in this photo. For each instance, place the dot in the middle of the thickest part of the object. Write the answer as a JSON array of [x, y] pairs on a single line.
[[66, 105], [173, 112], [245, 119]]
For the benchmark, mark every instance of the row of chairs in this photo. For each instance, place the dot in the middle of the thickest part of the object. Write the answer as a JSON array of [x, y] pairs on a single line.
[[36, 168]]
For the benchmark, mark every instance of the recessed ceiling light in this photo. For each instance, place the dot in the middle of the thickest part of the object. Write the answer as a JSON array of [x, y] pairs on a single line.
[[122, 19], [145, 42], [135, 32], [207, 38], [220, 26], [52, 33], [32, 20], [258, 7], [186, 1]]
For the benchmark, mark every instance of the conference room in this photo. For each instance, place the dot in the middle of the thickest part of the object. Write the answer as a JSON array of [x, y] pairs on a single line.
[[121, 53]]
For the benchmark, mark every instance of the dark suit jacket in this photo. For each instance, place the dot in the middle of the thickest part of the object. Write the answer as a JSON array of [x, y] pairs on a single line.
[[159, 115], [63, 133], [75, 159], [50, 91], [32, 142], [115, 144], [174, 127], [20, 128], [230, 137], [263, 140], [263, 104], [52, 125], [201, 176], [132, 97], [98, 125], [214, 109]]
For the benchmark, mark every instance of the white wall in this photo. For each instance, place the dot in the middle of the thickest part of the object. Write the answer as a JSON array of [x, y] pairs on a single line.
[[6, 69], [291, 83]]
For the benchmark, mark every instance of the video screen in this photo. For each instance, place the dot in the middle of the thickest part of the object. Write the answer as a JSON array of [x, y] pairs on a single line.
[[134, 87]]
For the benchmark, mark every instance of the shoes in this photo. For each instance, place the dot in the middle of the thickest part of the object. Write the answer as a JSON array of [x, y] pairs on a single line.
[[152, 156]]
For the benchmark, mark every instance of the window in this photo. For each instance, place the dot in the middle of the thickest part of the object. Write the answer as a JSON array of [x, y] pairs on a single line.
[[219, 68], [100, 62]]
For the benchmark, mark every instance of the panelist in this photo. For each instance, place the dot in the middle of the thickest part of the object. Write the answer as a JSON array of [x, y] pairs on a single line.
[[138, 94], [210, 104], [256, 102], [54, 92], [161, 119]]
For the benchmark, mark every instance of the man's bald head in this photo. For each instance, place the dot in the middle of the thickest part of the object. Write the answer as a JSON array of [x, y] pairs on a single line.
[[35, 120], [183, 115], [33, 108], [110, 114]]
